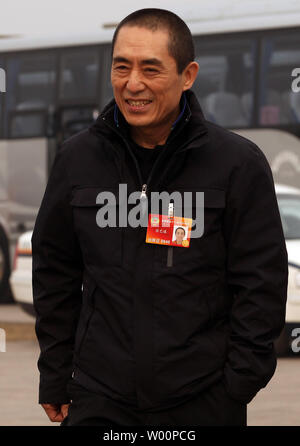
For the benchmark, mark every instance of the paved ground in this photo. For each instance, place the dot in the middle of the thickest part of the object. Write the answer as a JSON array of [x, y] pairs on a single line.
[[18, 372], [277, 405], [12, 313], [19, 386], [17, 324]]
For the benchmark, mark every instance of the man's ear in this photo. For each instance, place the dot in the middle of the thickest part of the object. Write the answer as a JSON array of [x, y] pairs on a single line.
[[189, 75]]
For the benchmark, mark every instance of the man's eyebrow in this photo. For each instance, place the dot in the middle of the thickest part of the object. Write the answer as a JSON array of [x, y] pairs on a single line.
[[119, 59], [152, 61]]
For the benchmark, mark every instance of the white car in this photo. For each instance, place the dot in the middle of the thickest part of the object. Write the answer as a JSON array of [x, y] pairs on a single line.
[[21, 276], [289, 206]]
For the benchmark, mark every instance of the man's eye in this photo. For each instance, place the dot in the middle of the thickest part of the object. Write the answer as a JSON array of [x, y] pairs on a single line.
[[151, 70], [121, 67]]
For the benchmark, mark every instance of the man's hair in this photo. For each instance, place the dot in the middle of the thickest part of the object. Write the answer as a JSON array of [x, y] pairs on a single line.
[[179, 227], [181, 45]]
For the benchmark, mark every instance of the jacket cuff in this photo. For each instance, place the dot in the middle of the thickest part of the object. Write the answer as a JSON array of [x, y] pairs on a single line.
[[53, 393]]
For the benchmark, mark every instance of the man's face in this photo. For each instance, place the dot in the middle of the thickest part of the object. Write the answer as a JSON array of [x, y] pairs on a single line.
[[146, 85], [179, 235]]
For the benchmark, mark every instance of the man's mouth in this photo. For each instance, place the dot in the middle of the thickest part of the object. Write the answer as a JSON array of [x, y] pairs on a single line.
[[138, 103]]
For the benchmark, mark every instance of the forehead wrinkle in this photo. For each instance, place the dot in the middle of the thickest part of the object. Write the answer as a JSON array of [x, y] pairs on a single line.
[[143, 41]]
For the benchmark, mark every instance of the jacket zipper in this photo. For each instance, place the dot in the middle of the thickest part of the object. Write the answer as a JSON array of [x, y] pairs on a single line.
[[143, 186], [143, 195], [144, 200], [144, 191]]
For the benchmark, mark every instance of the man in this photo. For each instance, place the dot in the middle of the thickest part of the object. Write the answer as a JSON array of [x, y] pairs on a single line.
[[129, 334]]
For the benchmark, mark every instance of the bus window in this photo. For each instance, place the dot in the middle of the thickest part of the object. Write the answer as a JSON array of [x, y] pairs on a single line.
[[31, 85], [79, 74], [225, 81], [278, 104], [27, 124], [3, 169], [2, 84], [73, 119]]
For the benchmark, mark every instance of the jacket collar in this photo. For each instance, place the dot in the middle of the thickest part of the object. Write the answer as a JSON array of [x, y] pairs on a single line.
[[191, 119]]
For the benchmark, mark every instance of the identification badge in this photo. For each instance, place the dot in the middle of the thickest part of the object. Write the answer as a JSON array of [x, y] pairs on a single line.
[[169, 231]]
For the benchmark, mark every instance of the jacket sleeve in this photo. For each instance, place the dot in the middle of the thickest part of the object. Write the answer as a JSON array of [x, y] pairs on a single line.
[[257, 272], [57, 284]]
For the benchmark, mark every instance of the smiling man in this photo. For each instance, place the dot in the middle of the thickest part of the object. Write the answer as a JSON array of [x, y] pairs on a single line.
[[136, 333], [147, 82]]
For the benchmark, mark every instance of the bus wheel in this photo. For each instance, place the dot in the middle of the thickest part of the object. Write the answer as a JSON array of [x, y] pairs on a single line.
[[5, 292]]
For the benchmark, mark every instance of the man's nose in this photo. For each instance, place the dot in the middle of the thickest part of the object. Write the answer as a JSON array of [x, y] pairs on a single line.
[[134, 83]]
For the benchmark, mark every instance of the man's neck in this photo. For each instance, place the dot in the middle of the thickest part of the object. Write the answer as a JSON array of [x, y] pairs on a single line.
[[152, 137], [147, 139]]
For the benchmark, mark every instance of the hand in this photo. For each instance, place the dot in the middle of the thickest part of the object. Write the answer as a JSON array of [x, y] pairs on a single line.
[[56, 412]]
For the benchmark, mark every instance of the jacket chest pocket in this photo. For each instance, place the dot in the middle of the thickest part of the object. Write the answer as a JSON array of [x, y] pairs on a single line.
[[206, 244], [96, 216]]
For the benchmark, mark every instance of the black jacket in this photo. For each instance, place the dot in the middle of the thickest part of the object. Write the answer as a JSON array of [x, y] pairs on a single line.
[[138, 330]]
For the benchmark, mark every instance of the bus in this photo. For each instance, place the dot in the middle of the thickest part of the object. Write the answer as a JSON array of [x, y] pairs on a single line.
[[248, 82]]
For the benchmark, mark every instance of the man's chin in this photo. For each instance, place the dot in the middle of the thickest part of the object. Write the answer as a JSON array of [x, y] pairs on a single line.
[[138, 121]]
